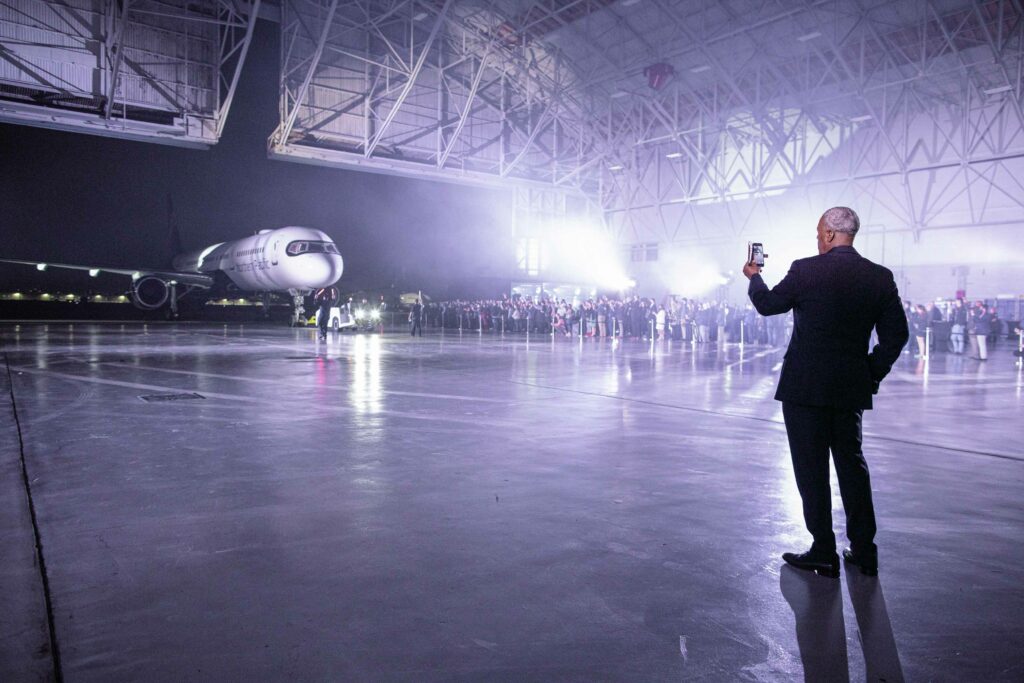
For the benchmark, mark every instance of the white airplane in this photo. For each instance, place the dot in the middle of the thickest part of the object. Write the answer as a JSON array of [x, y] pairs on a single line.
[[294, 259]]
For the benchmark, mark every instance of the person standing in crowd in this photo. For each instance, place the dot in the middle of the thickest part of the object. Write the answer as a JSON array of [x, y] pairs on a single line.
[[828, 379], [636, 318], [324, 299], [704, 323], [919, 323], [659, 322], [959, 328], [416, 319], [934, 316], [982, 327], [995, 325]]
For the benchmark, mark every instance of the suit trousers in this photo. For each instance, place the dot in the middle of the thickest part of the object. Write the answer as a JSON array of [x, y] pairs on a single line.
[[813, 432]]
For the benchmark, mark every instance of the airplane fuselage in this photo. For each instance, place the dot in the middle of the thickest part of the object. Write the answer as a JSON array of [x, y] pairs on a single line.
[[291, 258]]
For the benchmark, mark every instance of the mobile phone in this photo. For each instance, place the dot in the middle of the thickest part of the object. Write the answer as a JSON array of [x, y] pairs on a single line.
[[755, 253]]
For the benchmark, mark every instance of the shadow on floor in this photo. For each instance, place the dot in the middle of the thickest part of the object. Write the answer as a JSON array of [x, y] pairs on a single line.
[[817, 604]]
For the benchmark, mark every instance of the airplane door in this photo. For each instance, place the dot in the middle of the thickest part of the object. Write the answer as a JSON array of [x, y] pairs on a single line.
[[273, 253]]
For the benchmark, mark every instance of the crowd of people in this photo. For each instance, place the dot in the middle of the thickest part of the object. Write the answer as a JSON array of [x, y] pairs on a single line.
[[975, 325], [635, 317]]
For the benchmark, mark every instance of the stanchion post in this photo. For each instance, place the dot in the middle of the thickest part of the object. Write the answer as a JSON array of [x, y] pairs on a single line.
[[928, 342]]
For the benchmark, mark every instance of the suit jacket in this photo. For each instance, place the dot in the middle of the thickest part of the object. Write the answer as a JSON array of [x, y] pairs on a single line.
[[836, 299]]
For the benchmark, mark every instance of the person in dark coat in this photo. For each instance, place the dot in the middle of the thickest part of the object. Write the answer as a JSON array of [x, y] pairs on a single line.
[[828, 378], [325, 299], [982, 328], [416, 319]]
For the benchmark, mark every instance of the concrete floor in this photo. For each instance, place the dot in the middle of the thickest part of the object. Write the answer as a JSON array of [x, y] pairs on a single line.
[[484, 509]]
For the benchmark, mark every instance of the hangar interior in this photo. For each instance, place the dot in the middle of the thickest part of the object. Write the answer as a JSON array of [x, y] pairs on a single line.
[[684, 128], [477, 509]]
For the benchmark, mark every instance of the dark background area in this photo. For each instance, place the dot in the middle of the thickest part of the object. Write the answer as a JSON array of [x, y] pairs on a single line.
[[75, 198]]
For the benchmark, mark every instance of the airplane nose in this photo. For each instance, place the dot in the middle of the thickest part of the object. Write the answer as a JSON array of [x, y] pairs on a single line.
[[325, 269], [312, 271]]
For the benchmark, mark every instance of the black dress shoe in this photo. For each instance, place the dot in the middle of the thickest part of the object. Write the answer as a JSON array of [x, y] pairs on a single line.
[[868, 565], [825, 565]]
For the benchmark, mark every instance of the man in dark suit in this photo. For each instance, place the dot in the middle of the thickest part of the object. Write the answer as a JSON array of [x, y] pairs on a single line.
[[828, 378]]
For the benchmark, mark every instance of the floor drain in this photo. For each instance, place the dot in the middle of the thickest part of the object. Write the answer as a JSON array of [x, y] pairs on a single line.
[[156, 398]]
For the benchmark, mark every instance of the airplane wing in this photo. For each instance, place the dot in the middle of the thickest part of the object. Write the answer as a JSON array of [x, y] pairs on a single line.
[[191, 279]]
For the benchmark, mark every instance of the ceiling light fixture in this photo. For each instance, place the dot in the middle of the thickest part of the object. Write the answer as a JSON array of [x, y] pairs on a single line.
[[861, 118], [996, 91], [700, 69], [809, 36], [673, 155]]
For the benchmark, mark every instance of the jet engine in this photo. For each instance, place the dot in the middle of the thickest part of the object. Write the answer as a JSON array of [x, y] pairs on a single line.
[[150, 292]]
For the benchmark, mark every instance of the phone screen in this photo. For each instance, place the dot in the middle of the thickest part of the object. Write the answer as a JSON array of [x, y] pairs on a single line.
[[757, 254]]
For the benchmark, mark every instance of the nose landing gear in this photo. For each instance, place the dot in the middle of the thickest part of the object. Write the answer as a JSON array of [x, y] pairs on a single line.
[[298, 307]]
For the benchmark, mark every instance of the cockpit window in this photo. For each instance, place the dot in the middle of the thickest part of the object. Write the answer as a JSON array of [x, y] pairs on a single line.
[[310, 247]]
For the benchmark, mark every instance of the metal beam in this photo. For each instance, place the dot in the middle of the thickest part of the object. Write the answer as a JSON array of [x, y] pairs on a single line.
[[225, 105], [413, 75], [116, 18], [314, 62], [467, 108]]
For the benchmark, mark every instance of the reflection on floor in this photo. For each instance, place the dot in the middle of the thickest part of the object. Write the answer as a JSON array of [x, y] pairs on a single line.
[[479, 508]]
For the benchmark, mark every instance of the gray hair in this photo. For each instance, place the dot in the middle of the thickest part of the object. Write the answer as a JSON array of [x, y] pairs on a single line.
[[842, 219]]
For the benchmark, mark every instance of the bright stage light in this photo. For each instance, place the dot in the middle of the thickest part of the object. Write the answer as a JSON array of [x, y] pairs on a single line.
[[41, 267], [375, 315], [588, 254], [693, 273], [93, 272]]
